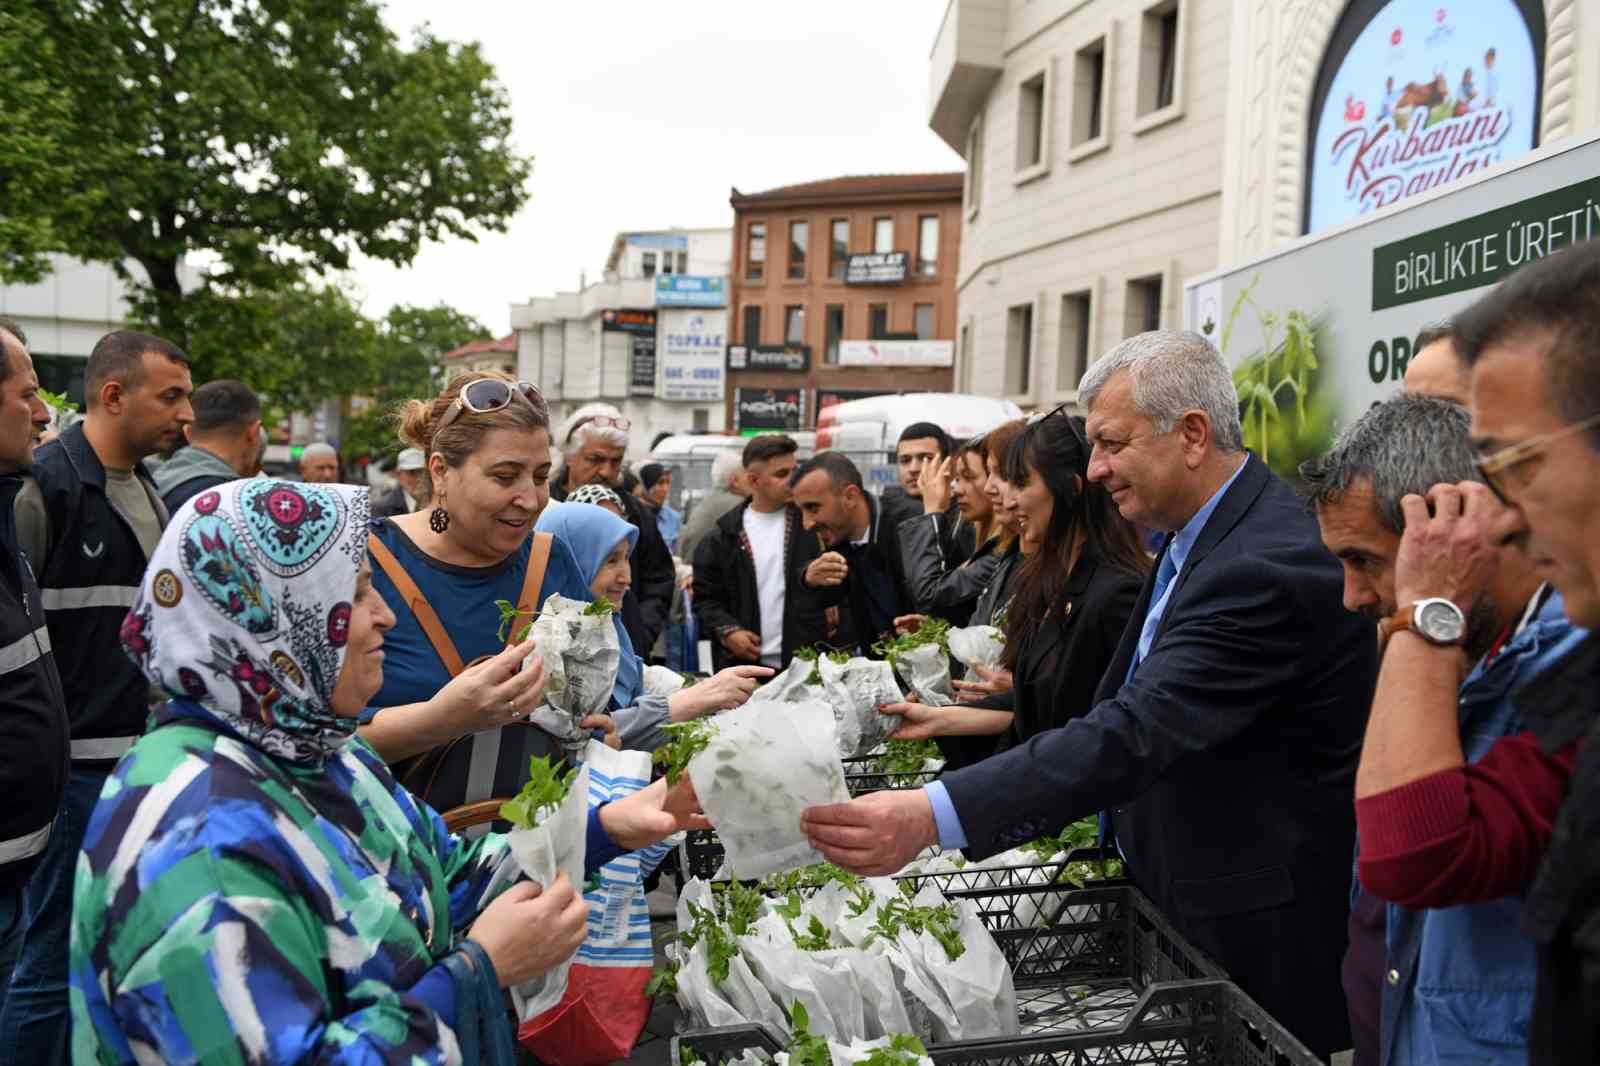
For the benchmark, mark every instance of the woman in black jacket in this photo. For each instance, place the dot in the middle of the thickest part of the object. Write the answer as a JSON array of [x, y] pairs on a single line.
[[1074, 596]]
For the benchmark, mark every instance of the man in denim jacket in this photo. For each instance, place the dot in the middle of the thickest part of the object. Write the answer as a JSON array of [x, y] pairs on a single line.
[[1433, 986]]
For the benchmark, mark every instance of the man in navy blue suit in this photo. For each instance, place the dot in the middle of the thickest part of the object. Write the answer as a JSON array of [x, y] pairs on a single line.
[[1224, 737]]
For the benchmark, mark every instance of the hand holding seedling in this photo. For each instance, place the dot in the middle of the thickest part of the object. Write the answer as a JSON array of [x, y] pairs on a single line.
[[907, 624], [918, 721], [876, 834], [528, 931], [991, 681], [652, 814], [493, 692]]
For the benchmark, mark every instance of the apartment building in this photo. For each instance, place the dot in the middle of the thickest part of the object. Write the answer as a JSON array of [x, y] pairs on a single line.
[[1116, 148], [840, 289]]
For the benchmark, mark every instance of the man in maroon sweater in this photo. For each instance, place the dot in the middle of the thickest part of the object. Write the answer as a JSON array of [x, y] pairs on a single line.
[[1526, 817]]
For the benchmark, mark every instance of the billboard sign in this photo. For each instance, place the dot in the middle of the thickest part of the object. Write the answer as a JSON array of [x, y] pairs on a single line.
[[691, 290], [629, 320], [1427, 93], [692, 344], [1318, 331], [642, 373], [897, 353], [791, 358], [666, 242], [875, 268], [768, 410]]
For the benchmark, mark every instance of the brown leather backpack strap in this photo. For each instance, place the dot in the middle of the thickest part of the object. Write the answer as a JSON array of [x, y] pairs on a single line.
[[426, 618], [533, 580]]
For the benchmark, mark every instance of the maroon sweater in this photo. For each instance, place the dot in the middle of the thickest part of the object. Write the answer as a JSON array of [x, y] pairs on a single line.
[[1467, 835]]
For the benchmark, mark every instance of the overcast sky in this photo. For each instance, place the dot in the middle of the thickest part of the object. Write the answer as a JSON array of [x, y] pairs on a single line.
[[642, 115]]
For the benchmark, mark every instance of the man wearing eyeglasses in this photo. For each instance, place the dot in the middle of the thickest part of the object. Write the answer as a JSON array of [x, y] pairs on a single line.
[[1525, 819], [594, 442], [1430, 979]]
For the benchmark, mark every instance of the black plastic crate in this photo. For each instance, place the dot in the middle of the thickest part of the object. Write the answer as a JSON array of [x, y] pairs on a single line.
[[861, 777], [1190, 1023]]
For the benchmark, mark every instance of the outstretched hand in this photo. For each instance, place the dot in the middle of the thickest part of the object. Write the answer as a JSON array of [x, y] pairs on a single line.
[[918, 721], [652, 814], [876, 834]]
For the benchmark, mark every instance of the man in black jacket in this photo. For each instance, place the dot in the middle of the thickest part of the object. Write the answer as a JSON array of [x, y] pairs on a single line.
[[747, 589], [863, 555], [1224, 736], [920, 454], [91, 518], [593, 443], [33, 728]]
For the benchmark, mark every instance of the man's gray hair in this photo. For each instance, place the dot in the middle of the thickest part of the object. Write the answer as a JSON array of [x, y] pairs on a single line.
[[728, 464], [320, 448], [580, 426], [1403, 446], [1172, 372]]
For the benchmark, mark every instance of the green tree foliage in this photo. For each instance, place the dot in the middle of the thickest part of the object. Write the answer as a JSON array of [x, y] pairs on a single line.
[[267, 140]]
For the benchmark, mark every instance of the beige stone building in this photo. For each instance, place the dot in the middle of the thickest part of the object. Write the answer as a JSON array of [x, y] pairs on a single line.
[[1116, 148]]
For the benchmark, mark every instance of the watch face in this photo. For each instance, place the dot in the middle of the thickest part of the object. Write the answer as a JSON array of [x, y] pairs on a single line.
[[1440, 621]]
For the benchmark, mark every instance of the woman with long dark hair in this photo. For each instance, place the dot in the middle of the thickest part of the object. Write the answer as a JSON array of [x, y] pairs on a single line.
[[1074, 594]]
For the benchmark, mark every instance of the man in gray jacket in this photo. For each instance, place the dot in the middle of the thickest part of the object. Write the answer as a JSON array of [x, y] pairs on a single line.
[[728, 490]]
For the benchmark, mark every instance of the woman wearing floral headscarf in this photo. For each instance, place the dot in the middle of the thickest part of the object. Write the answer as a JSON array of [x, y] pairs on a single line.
[[254, 885]]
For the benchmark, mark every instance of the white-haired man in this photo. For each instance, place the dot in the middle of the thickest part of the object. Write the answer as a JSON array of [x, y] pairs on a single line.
[[729, 488], [1237, 699], [593, 443], [319, 464]]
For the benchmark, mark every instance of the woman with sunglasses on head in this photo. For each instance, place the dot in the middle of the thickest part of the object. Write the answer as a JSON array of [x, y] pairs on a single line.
[[1075, 592], [942, 590]]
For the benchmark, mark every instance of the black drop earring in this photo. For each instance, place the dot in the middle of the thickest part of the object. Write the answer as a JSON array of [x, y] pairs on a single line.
[[439, 518]]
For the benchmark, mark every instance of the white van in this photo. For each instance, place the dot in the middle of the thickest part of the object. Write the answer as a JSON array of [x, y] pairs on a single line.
[[868, 430]]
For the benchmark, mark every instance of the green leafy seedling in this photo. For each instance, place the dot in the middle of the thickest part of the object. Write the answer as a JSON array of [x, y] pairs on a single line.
[[688, 740], [903, 1049], [544, 790], [804, 1047], [599, 607]]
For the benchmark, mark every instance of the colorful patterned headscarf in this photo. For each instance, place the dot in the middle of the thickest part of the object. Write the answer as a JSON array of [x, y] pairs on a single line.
[[245, 609]]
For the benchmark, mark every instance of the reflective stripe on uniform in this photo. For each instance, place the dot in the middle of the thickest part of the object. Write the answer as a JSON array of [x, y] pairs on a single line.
[[24, 846], [101, 747], [24, 650], [88, 596]]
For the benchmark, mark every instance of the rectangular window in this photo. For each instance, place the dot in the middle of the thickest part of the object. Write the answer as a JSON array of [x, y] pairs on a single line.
[[924, 321], [1030, 122], [835, 325], [1072, 357], [877, 321], [1158, 57], [965, 355], [794, 325], [838, 247], [755, 254], [974, 189], [647, 263], [1019, 350], [683, 262], [1088, 92], [799, 239], [702, 419], [928, 245], [751, 334], [883, 234], [1144, 305]]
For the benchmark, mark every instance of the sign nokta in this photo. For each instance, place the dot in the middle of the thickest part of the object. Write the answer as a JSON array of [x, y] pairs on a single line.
[[768, 410]]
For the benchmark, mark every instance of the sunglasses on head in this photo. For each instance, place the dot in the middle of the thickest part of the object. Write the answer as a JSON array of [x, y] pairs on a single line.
[[604, 422], [487, 395]]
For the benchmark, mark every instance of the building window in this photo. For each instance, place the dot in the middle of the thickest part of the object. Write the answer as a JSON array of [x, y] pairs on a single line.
[[794, 324], [965, 355], [1143, 312], [752, 324], [799, 239], [702, 419], [924, 322], [974, 188], [1072, 357], [877, 321], [835, 315], [838, 247], [683, 262], [1158, 57], [1089, 96], [647, 263], [1031, 123], [755, 252], [928, 245], [666, 263], [1019, 350], [883, 234]]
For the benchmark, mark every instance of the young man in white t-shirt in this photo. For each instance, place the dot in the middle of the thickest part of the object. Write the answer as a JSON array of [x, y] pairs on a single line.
[[742, 567]]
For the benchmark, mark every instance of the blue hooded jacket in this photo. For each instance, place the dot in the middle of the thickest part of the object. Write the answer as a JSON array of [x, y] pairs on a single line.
[[591, 532]]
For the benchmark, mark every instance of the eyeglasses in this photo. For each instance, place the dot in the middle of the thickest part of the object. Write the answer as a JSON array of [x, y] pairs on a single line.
[[487, 395], [620, 422], [1496, 467]]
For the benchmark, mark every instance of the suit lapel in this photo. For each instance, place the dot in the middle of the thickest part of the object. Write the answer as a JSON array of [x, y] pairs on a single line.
[[1117, 672]]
